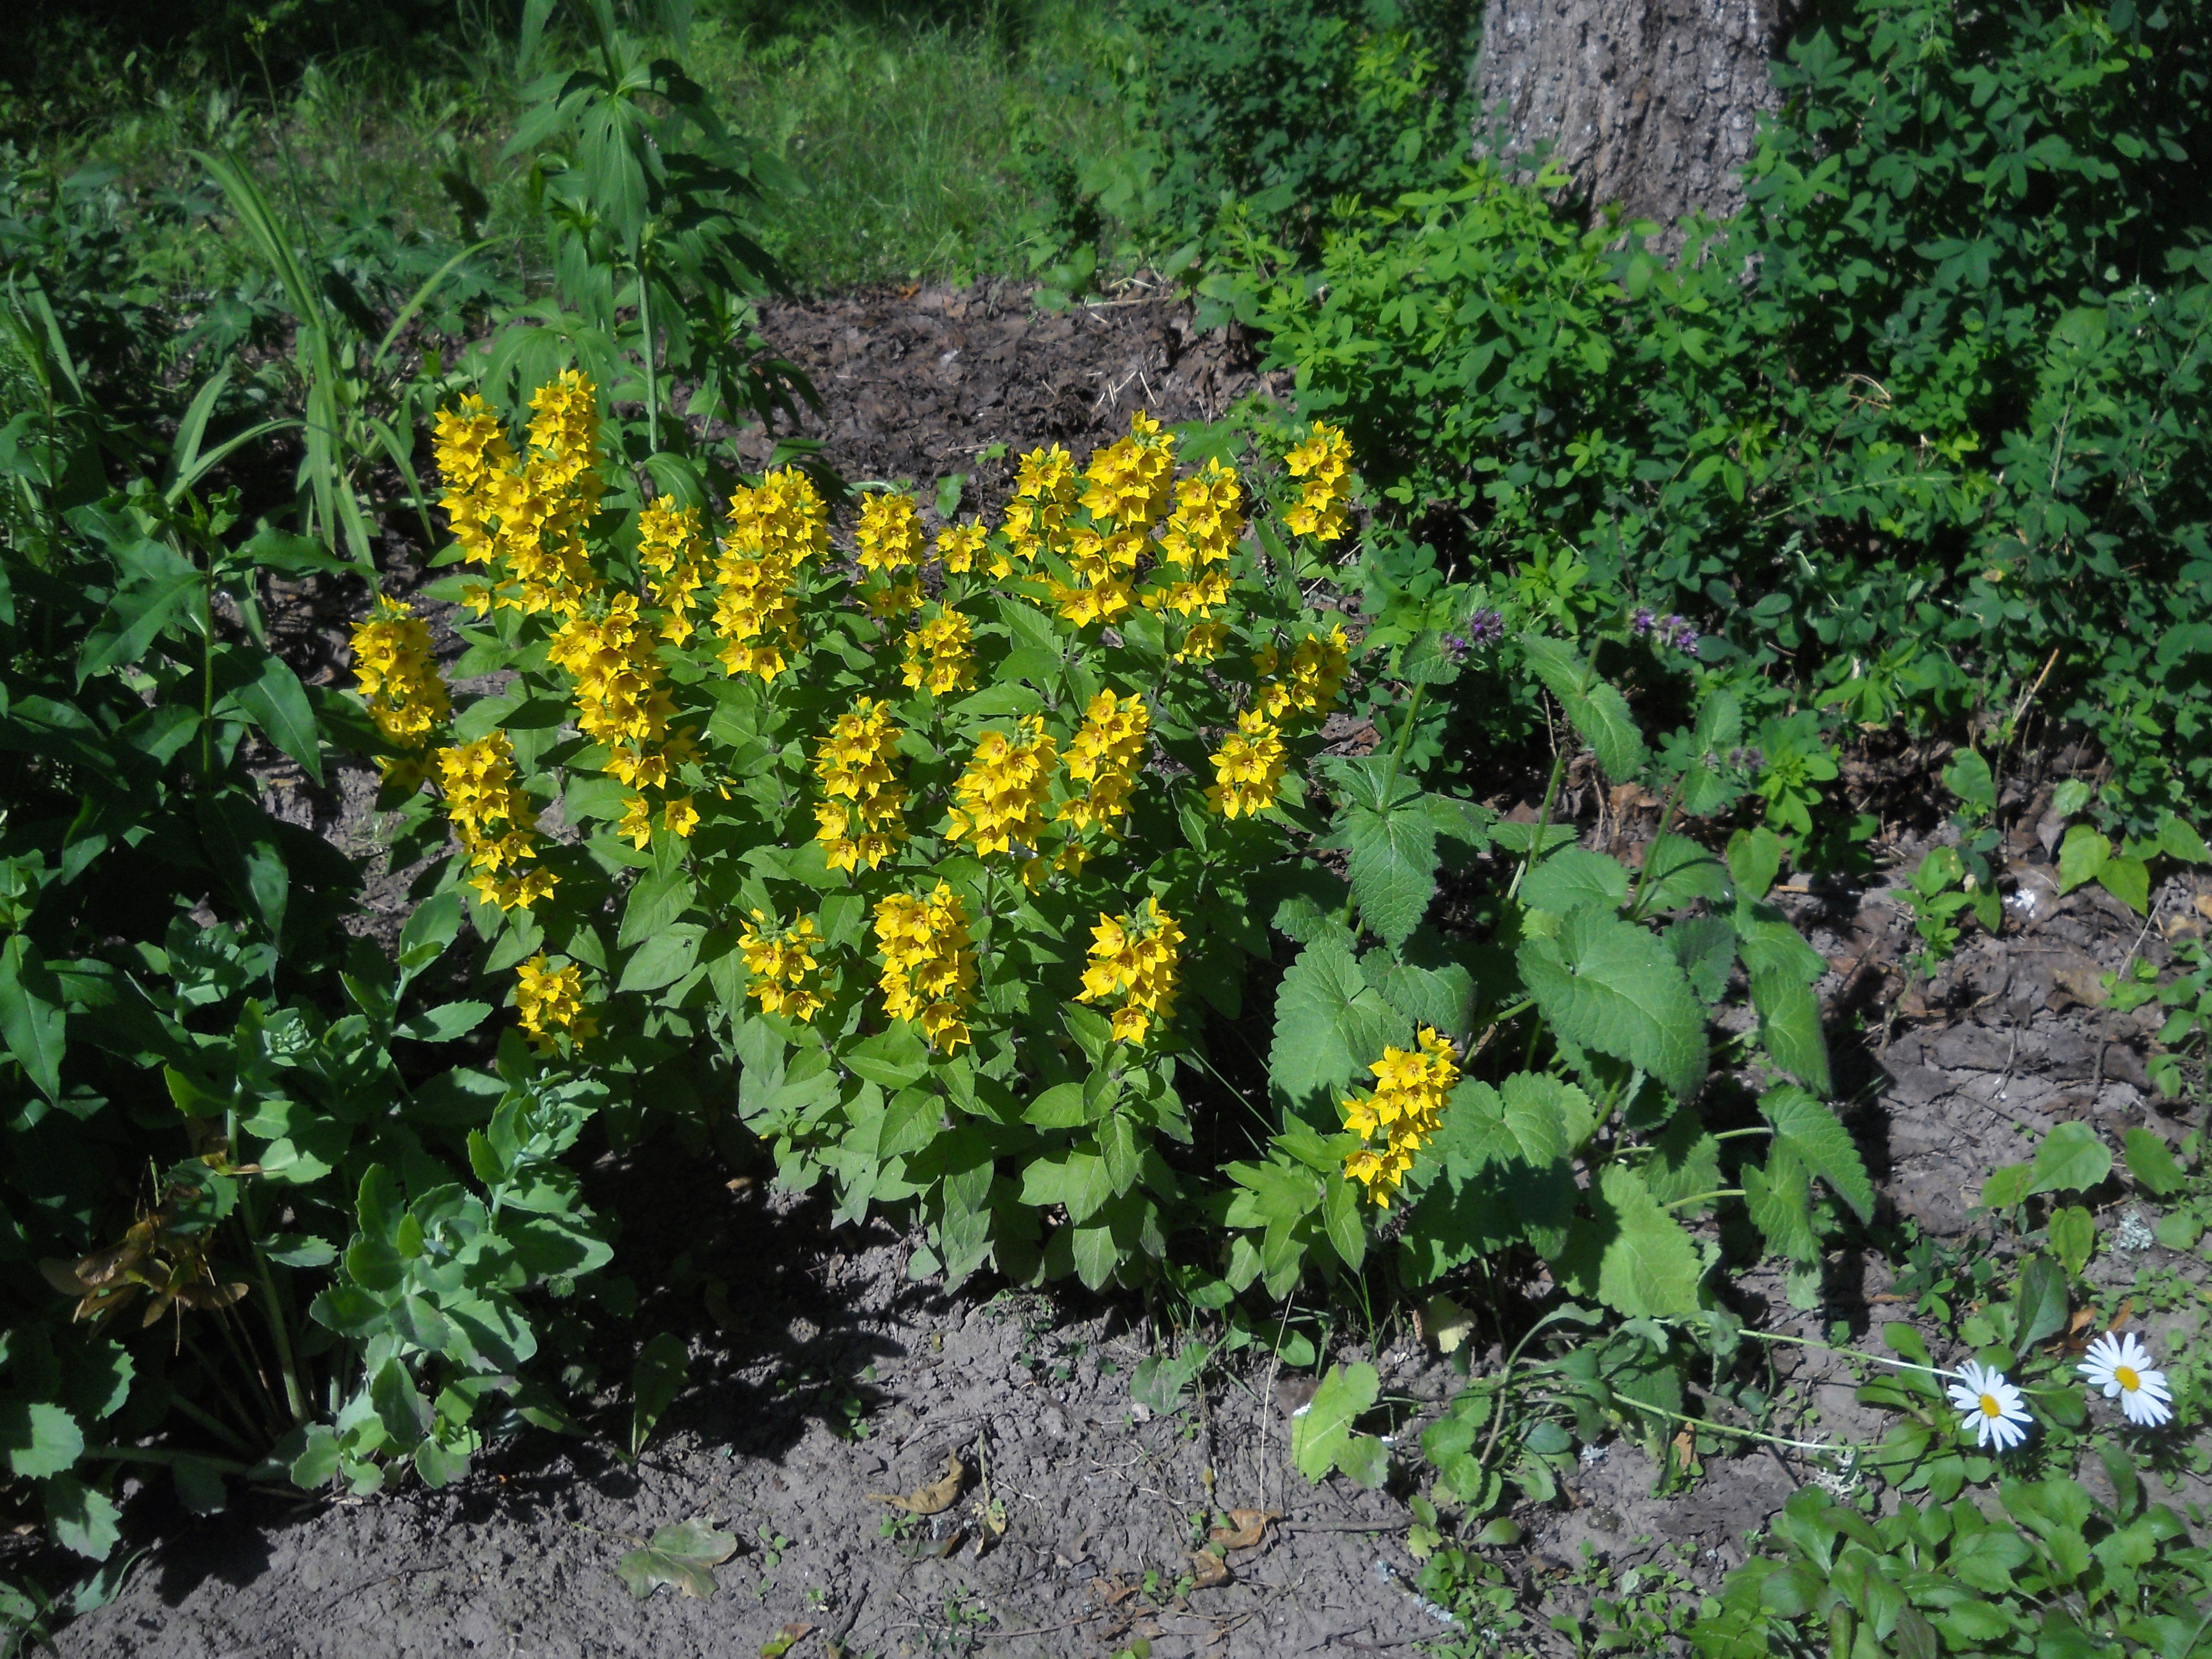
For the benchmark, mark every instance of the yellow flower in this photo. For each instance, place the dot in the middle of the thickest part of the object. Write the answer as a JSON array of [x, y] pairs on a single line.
[[549, 1002], [1127, 482], [493, 819], [1323, 461], [1107, 602], [636, 822], [1247, 768], [1135, 959], [929, 966], [1105, 753], [1412, 1087], [861, 819], [1001, 794], [680, 816], [780, 964], [396, 676], [1315, 680], [938, 656], [889, 536], [960, 545]]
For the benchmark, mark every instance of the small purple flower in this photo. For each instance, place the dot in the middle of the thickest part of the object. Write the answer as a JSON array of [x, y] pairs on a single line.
[[1485, 627], [1751, 758], [1456, 646], [1680, 635], [1644, 622]]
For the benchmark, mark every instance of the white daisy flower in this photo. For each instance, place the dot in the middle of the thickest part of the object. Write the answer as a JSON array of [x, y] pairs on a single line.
[[2120, 1365], [1990, 1406]]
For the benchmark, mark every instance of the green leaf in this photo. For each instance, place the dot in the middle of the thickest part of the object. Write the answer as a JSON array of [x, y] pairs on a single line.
[[2127, 880], [895, 1057], [434, 925], [2005, 1188], [2178, 839], [1706, 946], [81, 1518], [1754, 857], [1323, 1436], [2151, 1161], [1609, 985], [1968, 778], [2040, 1304], [1440, 996], [662, 1366], [33, 1021], [1676, 870], [445, 1023], [1576, 876], [1077, 1181], [662, 959], [1548, 1117], [406, 1416], [40, 1437], [1789, 1026], [659, 898], [1646, 1266], [1341, 1220], [1160, 1382], [685, 1555], [1596, 710], [1818, 1137], [1392, 860], [278, 704], [1330, 1026], [2072, 1159], [2081, 855], [1060, 1107], [1780, 1199], [2073, 1237]]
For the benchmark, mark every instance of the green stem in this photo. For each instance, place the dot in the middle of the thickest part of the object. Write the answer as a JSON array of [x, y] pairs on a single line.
[[1738, 1134], [652, 383], [295, 1397], [1701, 1198], [213, 1425], [1729, 1428], [162, 1455], [207, 679], [1543, 824], [1666, 826]]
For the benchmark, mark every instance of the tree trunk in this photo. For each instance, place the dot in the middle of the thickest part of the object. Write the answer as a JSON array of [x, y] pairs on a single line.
[[1649, 103]]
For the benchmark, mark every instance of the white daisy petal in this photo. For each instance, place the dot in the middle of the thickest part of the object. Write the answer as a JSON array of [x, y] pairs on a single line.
[[2120, 1365], [1990, 1406]]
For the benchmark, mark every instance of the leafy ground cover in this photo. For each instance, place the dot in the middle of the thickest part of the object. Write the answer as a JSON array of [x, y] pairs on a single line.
[[1410, 957]]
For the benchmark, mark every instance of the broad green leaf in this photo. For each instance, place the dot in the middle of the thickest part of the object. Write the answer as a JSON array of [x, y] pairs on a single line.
[[406, 1416], [2178, 839], [1060, 1107], [1161, 1382], [2151, 1161], [1549, 1117], [895, 1057], [1820, 1141], [664, 958], [1646, 1266], [2005, 1188], [2073, 1233], [1330, 1026], [1392, 859], [2127, 880], [685, 1555], [1095, 1254], [1598, 711], [1341, 1219], [1768, 944], [1789, 1026], [1610, 985], [40, 1437], [446, 1022], [1320, 1438], [2040, 1304], [1754, 857], [1076, 1180], [1780, 1199], [659, 899], [1576, 876], [435, 923], [1706, 946], [1968, 777], [33, 1021], [1676, 870], [278, 703], [1440, 996], [2072, 1159], [2081, 856], [81, 1518]]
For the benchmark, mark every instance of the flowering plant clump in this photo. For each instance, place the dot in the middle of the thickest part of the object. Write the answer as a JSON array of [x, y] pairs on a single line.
[[1407, 1108]]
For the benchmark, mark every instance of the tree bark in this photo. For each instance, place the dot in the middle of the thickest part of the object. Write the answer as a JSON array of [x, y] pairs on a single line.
[[1649, 103]]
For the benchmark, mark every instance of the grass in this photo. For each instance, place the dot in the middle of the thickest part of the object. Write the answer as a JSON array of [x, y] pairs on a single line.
[[916, 150]]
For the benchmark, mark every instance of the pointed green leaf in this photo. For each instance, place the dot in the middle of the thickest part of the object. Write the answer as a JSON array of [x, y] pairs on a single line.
[[2151, 1161], [1320, 1437], [33, 1021], [1392, 859], [1819, 1139], [278, 704], [1780, 1199], [2081, 855], [1609, 985], [1576, 876], [1789, 1026], [1330, 1026], [1647, 1266], [2072, 1159]]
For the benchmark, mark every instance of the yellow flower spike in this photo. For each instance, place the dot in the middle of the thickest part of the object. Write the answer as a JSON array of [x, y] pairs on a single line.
[[1136, 958], [1247, 768], [959, 546], [396, 676], [1412, 1088], [781, 965], [861, 819], [929, 964], [939, 655], [1002, 791]]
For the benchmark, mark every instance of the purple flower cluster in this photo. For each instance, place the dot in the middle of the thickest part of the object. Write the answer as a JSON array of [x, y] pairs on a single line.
[[1673, 631], [1483, 627]]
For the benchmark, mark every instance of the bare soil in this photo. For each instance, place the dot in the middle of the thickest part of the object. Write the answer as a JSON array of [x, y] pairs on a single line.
[[822, 1373]]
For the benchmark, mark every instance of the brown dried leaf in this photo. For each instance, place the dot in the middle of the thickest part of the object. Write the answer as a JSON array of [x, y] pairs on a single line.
[[1247, 1528], [784, 1640], [932, 1499], [1207, 1571]]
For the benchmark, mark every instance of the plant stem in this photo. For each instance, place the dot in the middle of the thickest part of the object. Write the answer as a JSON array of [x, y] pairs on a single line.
[[1729, 1428], [1543, 824], [163, 1455], [295, 1397], [652, 384], [213, 1425], [1700, 1198]]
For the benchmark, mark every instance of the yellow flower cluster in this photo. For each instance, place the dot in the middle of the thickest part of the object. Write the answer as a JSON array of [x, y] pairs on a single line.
[[1247, 768], [959, 545], [1322, 460], [939, 655], [398, 679], [671, 548], [889, 544], [781, 962], [774, 530], [1044, 495], [1411, 1089], [929, 965], [1315, 680], [495, 820], [1104, 754], [523, 517], [551, 1000], [862, 814], [1134, 958], [622, 701], [1125, 488], [1002, 791], [1207, 523]]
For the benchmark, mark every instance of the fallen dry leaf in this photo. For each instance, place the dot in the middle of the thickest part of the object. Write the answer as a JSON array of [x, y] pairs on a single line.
[[1207, 1571], [1248, 1527], [2121, 1318], [784, 1640], [932, 1499]]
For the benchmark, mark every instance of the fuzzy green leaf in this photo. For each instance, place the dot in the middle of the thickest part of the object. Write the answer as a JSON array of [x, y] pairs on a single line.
[[1780, 1199], [1819, 1137], [1330, 1025], [1323, 1438], [1392, 860], [1789, 1026], [2072, 1159], [1645, 1265], [1574, 876], [1609, 985]]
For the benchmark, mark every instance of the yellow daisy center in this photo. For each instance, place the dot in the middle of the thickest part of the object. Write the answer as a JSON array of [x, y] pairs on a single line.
[[1990, 1407], [2128, 1378]]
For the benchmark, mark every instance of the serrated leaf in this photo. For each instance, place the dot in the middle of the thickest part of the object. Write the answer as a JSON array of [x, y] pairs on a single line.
[[1780, 1199], [1647, 1267], [1676, 870], [685, 1555], [1442, 997], [1574, 876], [2072, 1159], [1548, 1116], [1330, 1026], [1789, 1027], [81, 1518], [1392, 859], [1818, 1137], [2151, 1161], [1320, 1438], [40, 1439], [1596, 710], [1706, 946], [1609, 985]]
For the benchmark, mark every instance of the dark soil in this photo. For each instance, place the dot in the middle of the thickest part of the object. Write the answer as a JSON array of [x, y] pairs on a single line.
[[821, 1373]]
